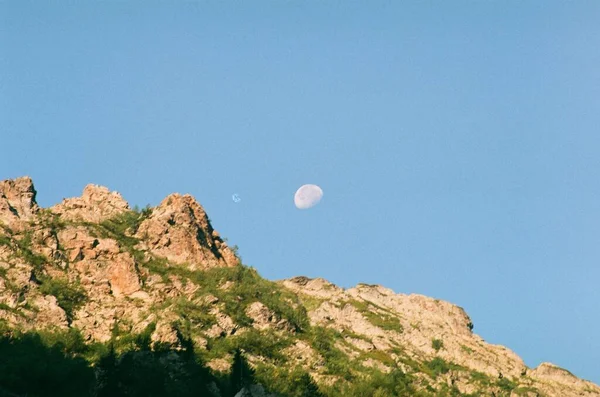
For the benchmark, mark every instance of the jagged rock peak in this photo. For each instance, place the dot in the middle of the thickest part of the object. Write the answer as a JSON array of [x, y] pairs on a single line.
[[96, 204], [17, 200], [179, 230]]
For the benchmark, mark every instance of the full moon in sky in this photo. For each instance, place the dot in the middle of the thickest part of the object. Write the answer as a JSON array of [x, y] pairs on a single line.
[[307, 196]]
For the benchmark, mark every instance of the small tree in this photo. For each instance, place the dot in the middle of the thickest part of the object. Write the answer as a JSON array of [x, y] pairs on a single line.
[[437, 344], [242, 375], [308, 386]]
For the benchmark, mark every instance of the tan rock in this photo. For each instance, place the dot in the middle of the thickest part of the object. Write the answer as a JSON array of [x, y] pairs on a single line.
[[95, 205], [49, 312], [220, 364], [264, 318], [17, 201], [557, 381], [122, 275], [165, 333], [180, 231], [301, 352]]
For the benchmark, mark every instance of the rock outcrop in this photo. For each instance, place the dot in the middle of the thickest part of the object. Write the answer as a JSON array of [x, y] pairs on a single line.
[[17, 201], [94, 265], [96, 204], [179, 230]]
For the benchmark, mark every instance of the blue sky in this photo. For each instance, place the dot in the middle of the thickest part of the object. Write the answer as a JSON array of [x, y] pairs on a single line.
[[456, 144]]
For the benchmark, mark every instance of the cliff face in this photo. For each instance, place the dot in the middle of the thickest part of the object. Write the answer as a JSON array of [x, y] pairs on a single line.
[[94, 266]]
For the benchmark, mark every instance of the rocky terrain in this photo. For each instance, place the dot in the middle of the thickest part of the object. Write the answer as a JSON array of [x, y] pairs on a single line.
[[91, 280]]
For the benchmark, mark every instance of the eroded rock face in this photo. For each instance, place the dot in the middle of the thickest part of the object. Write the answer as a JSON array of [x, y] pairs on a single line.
[[96, 204], [179, 230], [17, 201], [411, 321], [101, 267]]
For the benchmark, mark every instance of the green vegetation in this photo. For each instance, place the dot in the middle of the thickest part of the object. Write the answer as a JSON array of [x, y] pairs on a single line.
[[324, 340], [525, 391], [506, 384], [60, 364], [382, 318], [267, 344], [310, 302], [30, 366], [194, 315], [121, 228], [437, 344], [380, 356], [480, 378], [294, 382], [25, 252], [375, 383], [5, 307], [5, 240], [50, 220], [246, 286], [69, 296], [439, 366]]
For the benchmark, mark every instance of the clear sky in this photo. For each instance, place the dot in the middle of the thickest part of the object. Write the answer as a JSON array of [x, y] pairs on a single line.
[[457, 143]]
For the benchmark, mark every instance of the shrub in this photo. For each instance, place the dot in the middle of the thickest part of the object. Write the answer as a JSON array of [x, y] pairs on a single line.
[[324, 340], [505, 384], [439, 366], [68, 296], [5, 240], [437, 344], [24, 252], [295, 382]]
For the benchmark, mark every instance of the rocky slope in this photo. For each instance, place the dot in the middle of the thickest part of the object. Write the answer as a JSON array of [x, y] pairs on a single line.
[[111, 275]]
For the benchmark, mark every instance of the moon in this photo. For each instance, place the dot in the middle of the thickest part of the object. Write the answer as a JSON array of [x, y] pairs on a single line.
[[307, 196], [236, 198]]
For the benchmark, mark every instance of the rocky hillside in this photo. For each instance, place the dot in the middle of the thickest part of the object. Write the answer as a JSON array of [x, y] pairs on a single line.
[[97, 298]]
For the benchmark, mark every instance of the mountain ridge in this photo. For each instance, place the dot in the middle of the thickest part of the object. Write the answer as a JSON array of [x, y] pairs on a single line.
[[95, 266]]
